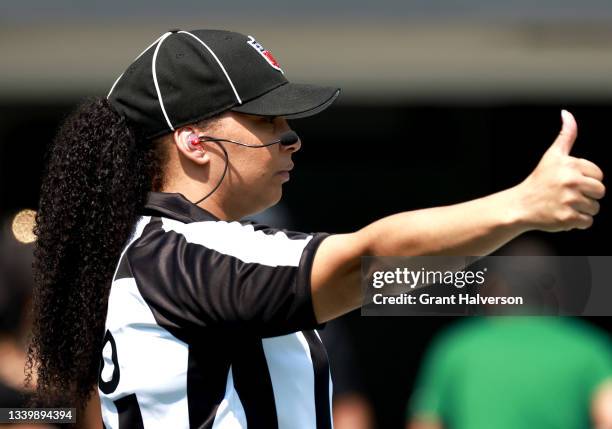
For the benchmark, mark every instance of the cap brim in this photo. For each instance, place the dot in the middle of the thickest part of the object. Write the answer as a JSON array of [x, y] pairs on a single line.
[[291, 101]]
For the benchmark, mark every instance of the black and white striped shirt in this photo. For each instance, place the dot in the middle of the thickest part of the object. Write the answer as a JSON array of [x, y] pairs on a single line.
[[210, 324]]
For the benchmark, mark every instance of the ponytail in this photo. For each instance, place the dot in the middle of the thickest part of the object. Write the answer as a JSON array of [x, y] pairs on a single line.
[[97, 178]]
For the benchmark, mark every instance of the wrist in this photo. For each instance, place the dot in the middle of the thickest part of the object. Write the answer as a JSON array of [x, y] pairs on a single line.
[[516, 209]]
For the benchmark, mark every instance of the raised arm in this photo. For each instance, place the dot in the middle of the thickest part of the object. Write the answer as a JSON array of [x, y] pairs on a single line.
[[559, 195]]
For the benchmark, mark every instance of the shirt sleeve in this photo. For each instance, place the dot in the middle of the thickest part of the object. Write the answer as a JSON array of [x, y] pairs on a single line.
[[228, 275]]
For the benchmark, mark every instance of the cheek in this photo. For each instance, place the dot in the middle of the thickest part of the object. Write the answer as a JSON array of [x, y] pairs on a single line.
[[263, 161], [254, 166]]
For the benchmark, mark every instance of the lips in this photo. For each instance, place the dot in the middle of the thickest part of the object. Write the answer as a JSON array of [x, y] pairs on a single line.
[[286, 169], [284, 174]]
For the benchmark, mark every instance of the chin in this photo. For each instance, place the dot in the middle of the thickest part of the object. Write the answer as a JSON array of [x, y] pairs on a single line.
[[274, 200], [267, 201], [279, 196]]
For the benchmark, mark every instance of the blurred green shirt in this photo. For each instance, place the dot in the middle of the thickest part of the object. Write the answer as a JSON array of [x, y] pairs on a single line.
[[513, 372]]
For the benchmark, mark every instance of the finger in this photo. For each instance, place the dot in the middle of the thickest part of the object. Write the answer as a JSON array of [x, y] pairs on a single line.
[[587, 206], [592, 188], [568, 134], [583, 221], [589, 169]]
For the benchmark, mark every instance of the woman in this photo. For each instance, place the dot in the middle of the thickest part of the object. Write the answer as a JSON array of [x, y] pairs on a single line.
[[150, 288]]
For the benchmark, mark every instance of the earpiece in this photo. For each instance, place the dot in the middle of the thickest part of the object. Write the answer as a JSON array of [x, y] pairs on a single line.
[[193, 141]]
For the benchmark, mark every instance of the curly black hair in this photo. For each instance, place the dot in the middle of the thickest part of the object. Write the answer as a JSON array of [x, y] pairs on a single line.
[[97, 177]]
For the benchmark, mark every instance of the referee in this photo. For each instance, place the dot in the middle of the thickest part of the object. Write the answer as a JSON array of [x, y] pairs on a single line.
[[155, 297]]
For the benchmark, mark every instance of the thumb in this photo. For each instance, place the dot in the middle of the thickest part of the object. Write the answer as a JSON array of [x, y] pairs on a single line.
[[568, 134]]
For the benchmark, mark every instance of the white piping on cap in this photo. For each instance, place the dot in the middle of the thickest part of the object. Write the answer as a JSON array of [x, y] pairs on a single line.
[[140, 55], [218, 62], [159, 96]]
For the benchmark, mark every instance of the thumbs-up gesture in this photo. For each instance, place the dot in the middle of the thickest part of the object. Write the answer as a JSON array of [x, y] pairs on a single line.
[[562, 192]]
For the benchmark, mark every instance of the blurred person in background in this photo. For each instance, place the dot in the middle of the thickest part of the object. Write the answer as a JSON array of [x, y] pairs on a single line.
[[516, 371], [16, 283]]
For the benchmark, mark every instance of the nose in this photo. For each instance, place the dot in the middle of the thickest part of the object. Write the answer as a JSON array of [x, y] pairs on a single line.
[[284, 127], [294, 147]]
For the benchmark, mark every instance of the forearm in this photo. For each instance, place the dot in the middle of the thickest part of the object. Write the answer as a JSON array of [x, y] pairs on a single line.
[[473, 228]]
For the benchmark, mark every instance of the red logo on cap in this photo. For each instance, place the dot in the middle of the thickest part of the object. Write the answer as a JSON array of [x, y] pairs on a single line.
[[264, 53]]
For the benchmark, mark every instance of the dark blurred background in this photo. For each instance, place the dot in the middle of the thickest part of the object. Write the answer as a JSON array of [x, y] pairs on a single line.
[[442, 101]]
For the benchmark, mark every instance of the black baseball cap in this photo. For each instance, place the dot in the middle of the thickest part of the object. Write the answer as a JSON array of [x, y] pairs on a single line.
[[186, 76]]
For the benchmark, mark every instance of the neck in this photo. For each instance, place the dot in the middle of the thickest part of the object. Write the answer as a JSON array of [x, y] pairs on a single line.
[[192, 182], [213, 204]]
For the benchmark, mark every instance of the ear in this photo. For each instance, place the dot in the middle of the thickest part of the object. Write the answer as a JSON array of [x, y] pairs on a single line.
[[183, 139]]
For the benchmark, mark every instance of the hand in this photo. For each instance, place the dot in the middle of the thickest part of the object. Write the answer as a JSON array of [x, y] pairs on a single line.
[[562, 192]]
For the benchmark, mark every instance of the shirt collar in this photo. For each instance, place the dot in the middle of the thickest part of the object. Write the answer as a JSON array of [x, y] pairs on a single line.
[[175, 206]]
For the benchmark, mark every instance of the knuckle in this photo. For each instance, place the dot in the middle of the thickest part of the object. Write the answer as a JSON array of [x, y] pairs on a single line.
[[566, 216], [571, 162], [569, 179], [570, 198]]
